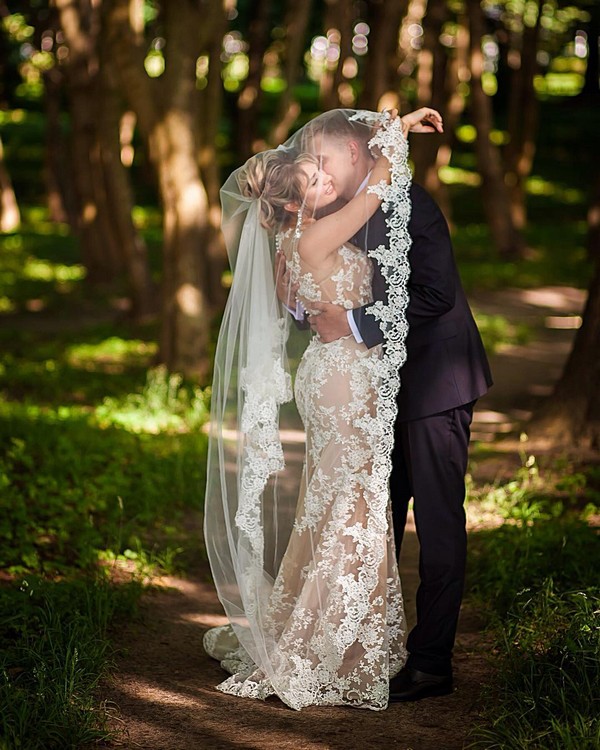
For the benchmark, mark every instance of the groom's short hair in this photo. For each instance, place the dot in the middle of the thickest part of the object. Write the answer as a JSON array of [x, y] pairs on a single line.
[[337, 125]]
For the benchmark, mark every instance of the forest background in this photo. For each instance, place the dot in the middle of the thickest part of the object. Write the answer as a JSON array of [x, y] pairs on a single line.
[[119, 121]]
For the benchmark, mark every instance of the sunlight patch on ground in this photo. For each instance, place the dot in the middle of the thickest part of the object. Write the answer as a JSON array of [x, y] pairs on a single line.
[[563, 322], [152, 693], [206, 621], [560, 299], [488, 424]]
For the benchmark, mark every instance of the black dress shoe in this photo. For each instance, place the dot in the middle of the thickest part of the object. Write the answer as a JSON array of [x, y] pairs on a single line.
[[412, 685]]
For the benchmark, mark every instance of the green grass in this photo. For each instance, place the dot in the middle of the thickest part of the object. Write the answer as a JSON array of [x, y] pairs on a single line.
[[102, 464], [54, 650], [102, 460], [537, 580]]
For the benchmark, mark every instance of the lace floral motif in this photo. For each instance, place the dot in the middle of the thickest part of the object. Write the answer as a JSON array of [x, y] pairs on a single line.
[[335, 620], [266, 387]]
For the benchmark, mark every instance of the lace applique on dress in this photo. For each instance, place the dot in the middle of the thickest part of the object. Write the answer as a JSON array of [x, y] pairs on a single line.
[[336, 612]]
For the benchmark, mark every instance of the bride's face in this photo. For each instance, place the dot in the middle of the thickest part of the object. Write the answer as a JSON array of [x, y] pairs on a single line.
[[320, 191]]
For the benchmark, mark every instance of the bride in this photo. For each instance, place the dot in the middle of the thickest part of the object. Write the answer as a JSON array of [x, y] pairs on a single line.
[[312, 592]]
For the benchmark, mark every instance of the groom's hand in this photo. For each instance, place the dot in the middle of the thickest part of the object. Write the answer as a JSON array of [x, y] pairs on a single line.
[[329, 321], [286, 291]]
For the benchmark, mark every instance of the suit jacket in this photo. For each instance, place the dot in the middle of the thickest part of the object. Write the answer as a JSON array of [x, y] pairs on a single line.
[[446, 363]]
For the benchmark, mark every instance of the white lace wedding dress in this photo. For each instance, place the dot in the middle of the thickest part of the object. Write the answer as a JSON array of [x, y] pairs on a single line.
[[335, 617]]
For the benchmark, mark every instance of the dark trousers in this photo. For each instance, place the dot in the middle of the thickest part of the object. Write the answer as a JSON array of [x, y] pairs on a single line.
[[429, 465]]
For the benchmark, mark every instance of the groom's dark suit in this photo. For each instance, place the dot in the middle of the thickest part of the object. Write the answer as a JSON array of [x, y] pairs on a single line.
[[445, 372]]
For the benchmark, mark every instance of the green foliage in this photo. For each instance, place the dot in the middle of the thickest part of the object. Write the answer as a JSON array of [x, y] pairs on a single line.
[[163, 406], [71, 490], [101, 470], [537, 578], [546, 692], [521, 557], [497, 331], [54, 649]]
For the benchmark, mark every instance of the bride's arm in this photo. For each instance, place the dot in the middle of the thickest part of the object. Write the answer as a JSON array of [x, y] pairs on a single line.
[[327, 234]]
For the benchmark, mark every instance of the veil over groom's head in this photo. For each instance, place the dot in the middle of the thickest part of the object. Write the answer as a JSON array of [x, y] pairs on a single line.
[[341, 144]]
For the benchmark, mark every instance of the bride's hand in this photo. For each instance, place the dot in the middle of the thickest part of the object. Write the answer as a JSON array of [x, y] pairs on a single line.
[[424, 120]]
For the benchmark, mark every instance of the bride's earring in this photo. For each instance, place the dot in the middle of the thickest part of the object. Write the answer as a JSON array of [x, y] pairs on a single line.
[[298, 230]]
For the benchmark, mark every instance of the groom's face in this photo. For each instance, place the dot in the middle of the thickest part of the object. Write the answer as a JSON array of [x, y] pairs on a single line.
[[339, 158]]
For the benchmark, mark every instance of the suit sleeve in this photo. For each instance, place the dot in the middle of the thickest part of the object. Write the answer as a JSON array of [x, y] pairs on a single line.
[[432, 282]]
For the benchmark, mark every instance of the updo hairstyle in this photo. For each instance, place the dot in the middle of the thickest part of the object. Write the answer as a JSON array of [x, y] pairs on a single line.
[[274, 178]]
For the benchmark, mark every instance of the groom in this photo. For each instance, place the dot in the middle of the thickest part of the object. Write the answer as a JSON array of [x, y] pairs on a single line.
[[445, 372]]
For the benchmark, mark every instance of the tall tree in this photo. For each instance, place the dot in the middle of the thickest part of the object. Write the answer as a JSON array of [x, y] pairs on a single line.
[[10, 216], [523, 108], [207, 130], [80, 24], [57, 166], [591, 88], [167, 109], [436, 86], [338, 17], [571, 415], [296, 24], [110, 241], [250, 97], [381, 70], [507, 239]]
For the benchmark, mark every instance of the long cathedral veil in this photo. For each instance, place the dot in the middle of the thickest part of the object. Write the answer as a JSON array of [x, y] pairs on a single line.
[[248, 516]]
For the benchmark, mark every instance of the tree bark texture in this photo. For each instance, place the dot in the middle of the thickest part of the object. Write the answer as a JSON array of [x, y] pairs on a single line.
[[433, 75], [168, 110], [296, 24], [571, 415], [119, 195], [250, 97], [210, 106], [381, 70], [80, 24], [339, 15], [496, 203], [523, 111], [10, 216]]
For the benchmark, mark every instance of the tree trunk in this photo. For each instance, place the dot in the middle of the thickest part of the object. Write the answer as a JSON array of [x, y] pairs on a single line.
[[210, 104], [297, 17], [81, 27], [409, 45], [167, 111], [339, 16], [523, 112], [432, 91], [380, 81], [10, 216], [250, 97], [119, 197], [496, 204], [591, 87], [593, 219], [57, 166], [571, 416]]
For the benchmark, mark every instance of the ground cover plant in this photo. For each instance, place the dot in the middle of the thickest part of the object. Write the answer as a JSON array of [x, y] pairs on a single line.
[[536, 579], [101, 468]]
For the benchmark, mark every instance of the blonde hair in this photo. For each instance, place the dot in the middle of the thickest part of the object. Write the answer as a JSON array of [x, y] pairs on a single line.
[[274, 178]]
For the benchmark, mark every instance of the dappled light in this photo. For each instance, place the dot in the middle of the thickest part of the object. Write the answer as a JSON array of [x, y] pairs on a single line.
[[119, 122]]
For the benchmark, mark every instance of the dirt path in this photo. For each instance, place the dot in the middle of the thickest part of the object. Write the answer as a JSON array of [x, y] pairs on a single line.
[[163, 689]]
